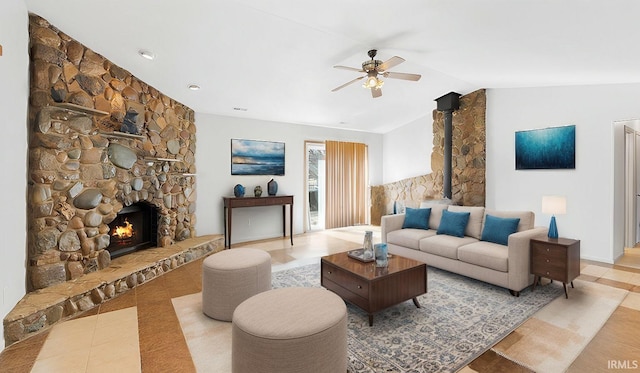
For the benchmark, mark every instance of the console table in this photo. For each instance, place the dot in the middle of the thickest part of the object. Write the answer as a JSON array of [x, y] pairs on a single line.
[[234, 202]]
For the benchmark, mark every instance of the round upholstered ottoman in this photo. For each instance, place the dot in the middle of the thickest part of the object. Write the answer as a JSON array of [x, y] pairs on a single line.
[[231, 276], [290, 330]]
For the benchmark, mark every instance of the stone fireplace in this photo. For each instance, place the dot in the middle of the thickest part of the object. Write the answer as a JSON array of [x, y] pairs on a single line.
[[104, 147], [106, 150]]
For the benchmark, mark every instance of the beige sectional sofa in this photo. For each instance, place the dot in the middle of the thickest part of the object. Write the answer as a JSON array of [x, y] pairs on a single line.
[[470, 255]]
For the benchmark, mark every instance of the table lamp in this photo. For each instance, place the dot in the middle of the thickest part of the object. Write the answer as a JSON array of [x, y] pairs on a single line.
[[554, 205]]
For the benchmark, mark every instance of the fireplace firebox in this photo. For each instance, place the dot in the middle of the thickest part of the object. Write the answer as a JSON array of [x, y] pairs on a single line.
[[134, 228]]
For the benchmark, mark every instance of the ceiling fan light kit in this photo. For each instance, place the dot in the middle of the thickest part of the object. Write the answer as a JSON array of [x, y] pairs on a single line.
[[373, 68], [373, 82]]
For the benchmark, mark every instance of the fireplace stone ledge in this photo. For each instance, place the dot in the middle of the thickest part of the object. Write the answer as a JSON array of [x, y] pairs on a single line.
[[43, 308]]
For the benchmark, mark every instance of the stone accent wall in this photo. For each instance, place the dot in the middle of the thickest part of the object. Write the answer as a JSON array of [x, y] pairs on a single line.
[[83, 169], [468, 163]]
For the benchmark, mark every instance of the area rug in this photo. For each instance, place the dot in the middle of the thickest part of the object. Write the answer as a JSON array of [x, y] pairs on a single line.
[[572, 322], [460, 318]]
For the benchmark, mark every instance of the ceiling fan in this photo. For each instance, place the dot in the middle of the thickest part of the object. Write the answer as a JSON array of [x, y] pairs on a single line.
[[373, 68]]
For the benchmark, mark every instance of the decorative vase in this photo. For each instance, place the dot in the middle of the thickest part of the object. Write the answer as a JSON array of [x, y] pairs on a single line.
[[272, 187], [257, 191], [238, 190], [381, 255]]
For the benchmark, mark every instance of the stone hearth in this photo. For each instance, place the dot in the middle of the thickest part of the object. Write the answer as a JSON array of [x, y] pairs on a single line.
[[41, 309]]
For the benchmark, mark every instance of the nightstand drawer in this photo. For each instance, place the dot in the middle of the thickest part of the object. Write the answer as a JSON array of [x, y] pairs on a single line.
[[555, 270], [550, 252]]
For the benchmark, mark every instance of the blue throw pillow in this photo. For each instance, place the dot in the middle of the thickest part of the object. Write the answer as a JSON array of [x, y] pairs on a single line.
[[497, 230], [453, 223], [416, 218]]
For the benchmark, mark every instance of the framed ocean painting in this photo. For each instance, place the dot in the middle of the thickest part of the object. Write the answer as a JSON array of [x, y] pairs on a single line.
[[254, 157], [547, 148]]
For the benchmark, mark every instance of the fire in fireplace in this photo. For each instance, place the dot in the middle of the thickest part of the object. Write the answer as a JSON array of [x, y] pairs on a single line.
[[135, 228]]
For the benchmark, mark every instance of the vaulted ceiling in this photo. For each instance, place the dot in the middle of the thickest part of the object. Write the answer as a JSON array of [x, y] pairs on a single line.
[[274, 59]]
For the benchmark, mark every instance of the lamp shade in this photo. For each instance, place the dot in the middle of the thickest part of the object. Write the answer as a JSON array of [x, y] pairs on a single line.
[[554, 205]]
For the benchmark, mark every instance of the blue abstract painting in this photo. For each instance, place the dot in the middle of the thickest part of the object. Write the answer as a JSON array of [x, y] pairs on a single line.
[[253, 157], [548, 148]]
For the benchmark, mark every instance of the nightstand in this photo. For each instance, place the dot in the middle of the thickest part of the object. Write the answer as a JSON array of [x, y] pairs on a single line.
[[556, 259]]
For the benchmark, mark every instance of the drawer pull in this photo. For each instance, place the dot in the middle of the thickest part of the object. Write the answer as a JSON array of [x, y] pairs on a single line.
[[547, 260], [329, 272], [547, 273], [359, 286], [547, 249]]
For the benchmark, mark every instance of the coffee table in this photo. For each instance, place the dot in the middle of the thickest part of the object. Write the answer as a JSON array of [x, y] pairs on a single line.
[[373, 288]]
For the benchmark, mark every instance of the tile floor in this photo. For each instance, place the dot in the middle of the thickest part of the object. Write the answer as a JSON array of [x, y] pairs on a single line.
[[140, 332]]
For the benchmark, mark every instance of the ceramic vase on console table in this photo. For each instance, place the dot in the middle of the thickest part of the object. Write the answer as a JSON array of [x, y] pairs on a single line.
[[272, 187], [238, 190]]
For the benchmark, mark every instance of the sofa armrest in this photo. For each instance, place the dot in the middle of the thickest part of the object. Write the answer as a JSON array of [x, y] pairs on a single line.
[[518, 262], [390, 223]]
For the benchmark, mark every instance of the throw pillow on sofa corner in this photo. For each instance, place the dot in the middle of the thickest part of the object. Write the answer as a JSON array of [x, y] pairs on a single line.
[[416, 218], [497, 230], [453, 223]]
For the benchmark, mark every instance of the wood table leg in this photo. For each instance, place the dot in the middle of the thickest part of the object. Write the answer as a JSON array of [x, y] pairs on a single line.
[[229, 221], [291, 222], [415, 301], [224, 218], [370, 319], [284, 221], [564, 285]]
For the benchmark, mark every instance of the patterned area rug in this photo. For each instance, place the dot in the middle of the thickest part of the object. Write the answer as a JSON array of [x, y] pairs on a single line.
[[460, 319]]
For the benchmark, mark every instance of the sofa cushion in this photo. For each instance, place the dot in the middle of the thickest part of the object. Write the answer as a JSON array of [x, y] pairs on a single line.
[[453, 223], [476, 215], [436, 212], [485, 254], [527, 218], [409, 237], [444, 245], [416, 218], [497, 230]]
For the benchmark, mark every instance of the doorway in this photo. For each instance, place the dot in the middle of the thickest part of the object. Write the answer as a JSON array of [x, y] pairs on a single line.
[[630, 253], [315, 184]]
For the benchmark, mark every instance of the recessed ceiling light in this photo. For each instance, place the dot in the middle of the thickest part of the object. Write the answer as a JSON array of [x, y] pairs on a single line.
[[194, 87], [146, 54]]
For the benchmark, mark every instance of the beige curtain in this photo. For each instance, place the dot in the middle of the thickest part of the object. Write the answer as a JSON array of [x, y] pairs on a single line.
[[347, 184]]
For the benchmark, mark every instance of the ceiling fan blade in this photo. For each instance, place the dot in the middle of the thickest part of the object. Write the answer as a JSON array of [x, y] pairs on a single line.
[[376, 92], [347, 83], [349, 68], [391, 62], [405, 76]]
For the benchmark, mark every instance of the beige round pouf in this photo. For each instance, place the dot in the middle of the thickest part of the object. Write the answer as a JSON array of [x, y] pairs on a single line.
[[231, 276], [290, 330]]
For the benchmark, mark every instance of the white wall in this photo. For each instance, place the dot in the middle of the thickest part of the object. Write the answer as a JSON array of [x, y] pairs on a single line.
[[214, 179], [407, 150], [14, 93], [589, 189]]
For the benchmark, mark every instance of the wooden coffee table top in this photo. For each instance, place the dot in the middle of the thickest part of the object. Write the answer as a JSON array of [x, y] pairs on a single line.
[[369, 271]]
